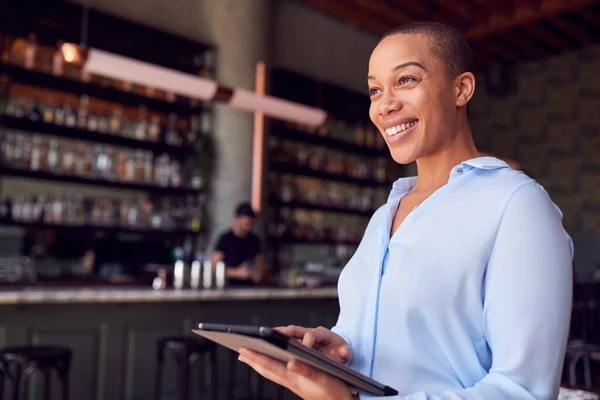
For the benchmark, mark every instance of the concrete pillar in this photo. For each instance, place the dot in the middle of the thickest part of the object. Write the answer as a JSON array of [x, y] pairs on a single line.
[[240, 30]]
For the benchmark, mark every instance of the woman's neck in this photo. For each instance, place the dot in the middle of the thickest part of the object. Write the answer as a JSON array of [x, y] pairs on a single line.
[[434, 170]]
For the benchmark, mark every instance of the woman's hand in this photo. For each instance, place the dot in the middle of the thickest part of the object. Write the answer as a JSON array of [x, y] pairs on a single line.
[[322, 339], [305, 381]]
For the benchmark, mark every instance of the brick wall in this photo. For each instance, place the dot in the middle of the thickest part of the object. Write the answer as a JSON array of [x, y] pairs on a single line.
[[551, 125]]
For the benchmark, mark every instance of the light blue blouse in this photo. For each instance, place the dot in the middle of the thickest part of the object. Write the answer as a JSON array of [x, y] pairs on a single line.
[[471, 296]]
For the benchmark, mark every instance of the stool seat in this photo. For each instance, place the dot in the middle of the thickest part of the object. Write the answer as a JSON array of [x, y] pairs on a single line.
[[185, 350], [18, 363], [180, 343], [42, 354]]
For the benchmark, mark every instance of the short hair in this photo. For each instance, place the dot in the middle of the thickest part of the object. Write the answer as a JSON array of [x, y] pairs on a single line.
[[446, 43], [245, 209]]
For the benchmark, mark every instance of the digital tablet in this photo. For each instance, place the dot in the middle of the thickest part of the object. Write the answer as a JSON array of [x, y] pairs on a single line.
[[269, 342]]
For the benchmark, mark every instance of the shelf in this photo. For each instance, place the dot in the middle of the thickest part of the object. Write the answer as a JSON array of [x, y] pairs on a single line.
[[84, 134], [113, 229], [318, 207], [295, 170], [292, 240], [48, 81], [283, 132], [48, 176]]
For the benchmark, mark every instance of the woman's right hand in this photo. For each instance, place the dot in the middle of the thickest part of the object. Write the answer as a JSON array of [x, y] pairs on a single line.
[[328, 342]]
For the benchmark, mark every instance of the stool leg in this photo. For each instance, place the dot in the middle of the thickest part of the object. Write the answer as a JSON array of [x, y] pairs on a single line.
[[214, 382], [158, 380], [185, 378], [64, 378], [232, 376], [17, 383], [587, 371], [1, 382], [47, 384], [573, 370]]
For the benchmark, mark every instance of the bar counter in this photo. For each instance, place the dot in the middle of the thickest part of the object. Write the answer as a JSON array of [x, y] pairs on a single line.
[[144, 295], [113, 331]]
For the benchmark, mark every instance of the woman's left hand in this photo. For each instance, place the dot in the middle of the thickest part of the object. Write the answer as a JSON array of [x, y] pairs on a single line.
[[305, 381]]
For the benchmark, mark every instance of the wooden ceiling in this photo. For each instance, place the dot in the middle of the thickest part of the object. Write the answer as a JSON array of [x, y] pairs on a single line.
[[498, 30]]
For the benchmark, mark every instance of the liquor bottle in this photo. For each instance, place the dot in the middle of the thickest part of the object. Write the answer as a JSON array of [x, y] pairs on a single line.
[[141, 126], [59, 115], [82, 112], [35, 113], [154, 129], [37, 208], [116, 120], [68, 161], [47, 218], [48, 111], [103, 122], [17, 208], [70, 116], [171, 134], [31, 52], [148, 167], [58, 60], [359, 134], [58, 210]]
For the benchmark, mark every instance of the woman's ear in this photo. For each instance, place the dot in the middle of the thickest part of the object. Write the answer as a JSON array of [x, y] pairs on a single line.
[[465, 88]]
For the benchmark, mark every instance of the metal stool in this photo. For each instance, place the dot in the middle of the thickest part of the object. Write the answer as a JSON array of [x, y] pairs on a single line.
[[186, 350], [579, 350], [28, 359]]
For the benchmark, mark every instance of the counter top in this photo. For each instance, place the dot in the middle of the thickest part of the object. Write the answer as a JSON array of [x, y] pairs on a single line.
[[141, 295]]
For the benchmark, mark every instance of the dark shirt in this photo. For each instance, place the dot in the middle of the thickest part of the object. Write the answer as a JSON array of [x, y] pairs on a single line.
[[237, 250]]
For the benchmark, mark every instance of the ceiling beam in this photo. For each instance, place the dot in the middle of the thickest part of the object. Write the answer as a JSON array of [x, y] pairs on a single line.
[[494, 7], [472, 12], [353, 15], [592, 17], [504, 52], [573, 31], [523, 44], [526, 15], [552, 39], [427, 10], [383, 9]]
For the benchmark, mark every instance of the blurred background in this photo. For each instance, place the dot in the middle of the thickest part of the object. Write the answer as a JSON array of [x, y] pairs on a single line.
[[115, 196]]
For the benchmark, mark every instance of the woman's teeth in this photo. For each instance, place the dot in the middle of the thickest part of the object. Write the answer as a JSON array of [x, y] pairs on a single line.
[[399, 128]]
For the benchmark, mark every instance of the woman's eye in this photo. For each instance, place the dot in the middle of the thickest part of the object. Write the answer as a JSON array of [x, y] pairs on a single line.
[[407, 79], [373, 91]]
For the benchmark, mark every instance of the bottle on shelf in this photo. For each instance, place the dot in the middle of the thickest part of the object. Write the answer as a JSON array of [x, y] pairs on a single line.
[[31, 52], [141, 126], [58, 60]]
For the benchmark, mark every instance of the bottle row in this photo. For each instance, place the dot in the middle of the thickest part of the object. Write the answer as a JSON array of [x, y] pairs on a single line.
[[38, 152], [327, 160], [358, 133], [102, 117], [64, 60], [289, 188], [75, 210], [316, 225]]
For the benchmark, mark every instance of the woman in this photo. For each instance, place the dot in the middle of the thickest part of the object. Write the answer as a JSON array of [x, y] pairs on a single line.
[[461, 286]]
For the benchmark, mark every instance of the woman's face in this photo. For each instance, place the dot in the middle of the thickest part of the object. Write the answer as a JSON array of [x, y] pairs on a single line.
[[413, 97]]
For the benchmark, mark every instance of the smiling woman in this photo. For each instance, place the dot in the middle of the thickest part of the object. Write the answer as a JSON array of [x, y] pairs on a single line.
[[461, 285]]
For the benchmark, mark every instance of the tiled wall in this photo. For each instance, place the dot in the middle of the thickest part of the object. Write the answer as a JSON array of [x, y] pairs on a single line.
[[551, 125]]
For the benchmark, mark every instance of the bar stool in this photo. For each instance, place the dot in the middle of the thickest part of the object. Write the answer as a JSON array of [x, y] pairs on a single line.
[[186, 350], [580, 351], [26, 360]]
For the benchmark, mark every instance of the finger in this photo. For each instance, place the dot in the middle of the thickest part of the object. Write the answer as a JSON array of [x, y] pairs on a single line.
[[267, 367], [305, 370], [343, 354], [309, 339], [294, 331]]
